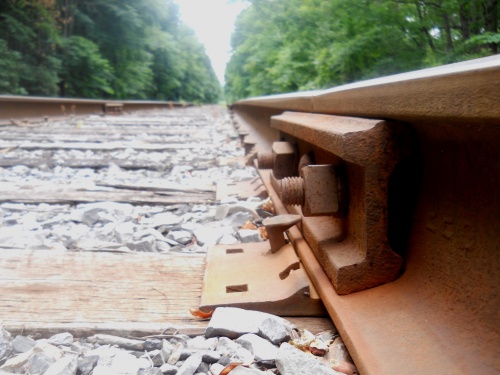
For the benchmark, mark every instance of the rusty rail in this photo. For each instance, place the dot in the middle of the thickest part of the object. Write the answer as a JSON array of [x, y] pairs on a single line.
[[29, 107], [409, 268]]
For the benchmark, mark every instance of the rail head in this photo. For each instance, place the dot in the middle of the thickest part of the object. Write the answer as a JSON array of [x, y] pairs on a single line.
[[434, 204], [461, 93], [29, 107]]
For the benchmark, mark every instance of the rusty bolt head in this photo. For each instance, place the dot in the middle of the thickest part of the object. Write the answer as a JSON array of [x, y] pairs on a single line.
[[284, 161], [266, 160], [320, 192], [249, 143]]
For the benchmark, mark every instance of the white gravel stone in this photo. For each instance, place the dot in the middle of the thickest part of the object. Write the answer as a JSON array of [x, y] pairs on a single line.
[[127, 364], [162, 247], [149, 371], [226, 345], [64, 366], [292, 361], [242, 355], [37, 364], [181, 236], [176, 354], [87, 364], [249, 235], [221, 211], [216, 369], [237, 219], [228, 239], [202, 343], [190, 365], [233, 322], [64, 338], [165, 218], [145, 245], [166, 350], [168, 369], [240, 370], [5, 347], [275, 329], [42, 346], [130, 344], [124, 232], [208, 236], [22, 344], [261, 348]]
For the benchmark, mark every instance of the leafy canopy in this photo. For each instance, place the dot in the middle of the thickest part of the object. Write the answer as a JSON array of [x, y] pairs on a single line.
[[289, 45], [124, 49]]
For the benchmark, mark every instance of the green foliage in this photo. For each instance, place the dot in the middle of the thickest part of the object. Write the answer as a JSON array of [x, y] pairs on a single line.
[[9, 70], [29, 35], [85, 73], [124, 49], [282, 46]]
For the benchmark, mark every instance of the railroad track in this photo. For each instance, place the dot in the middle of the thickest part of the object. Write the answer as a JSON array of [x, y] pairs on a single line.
[[146, 172], [393, 184], [406, 260]]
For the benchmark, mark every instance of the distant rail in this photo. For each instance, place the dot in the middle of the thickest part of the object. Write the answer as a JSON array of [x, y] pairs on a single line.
[[409, 270], [25, 107]]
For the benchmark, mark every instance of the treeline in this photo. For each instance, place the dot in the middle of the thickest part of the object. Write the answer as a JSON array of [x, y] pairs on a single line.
[[123, 49], [286, 46]]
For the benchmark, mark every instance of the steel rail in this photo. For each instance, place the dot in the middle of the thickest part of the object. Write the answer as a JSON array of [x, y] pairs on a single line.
[[430, 197], [29, 107]]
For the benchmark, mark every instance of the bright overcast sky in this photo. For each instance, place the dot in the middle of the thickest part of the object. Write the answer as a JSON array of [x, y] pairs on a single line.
[[213, 22]]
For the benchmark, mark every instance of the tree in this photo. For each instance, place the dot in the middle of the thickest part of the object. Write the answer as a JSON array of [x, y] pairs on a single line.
[[124, 49], [85, 73], [282, 46], [30, 36], [9, 70]]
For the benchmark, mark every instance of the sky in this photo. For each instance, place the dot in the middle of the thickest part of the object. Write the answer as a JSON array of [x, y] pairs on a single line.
[[213, 23]]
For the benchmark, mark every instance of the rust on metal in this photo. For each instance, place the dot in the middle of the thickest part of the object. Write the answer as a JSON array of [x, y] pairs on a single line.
[[321, 191], [249, 144], [113, 108], [276, 227], [292, 191], [21, 107], [248, 275], [266, 160], [440, 315], [360, 258], [284, 160]]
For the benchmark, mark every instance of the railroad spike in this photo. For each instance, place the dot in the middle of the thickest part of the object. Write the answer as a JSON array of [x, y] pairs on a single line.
[[276, 226]]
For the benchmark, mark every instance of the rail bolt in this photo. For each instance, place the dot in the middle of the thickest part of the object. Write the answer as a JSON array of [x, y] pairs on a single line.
[[282, 160], [292, 191], [321, 191], [266, 160], [249, 143]]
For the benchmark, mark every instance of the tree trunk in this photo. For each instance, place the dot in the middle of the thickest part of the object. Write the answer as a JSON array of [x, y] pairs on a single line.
[[490, 11], [464, 22], [447, 32], [424, 28]]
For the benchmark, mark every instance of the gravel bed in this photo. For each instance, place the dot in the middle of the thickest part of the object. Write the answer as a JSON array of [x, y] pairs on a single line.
[[111, 226], [236, 341]]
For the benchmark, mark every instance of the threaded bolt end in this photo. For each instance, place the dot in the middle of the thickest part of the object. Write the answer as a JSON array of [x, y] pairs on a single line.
[[292, 191], [266, 160]]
